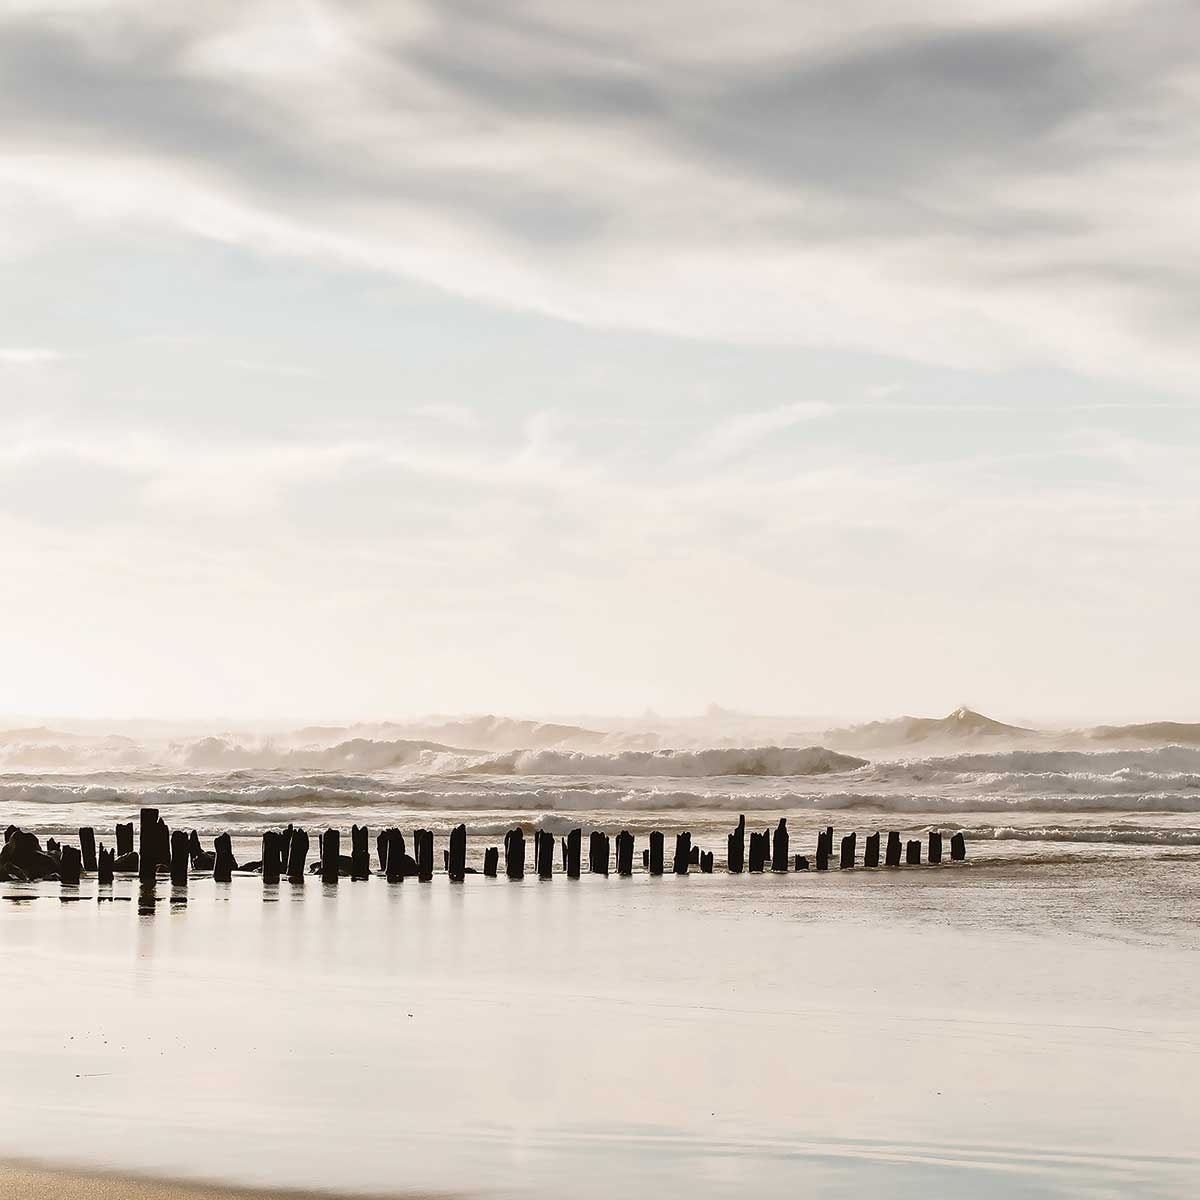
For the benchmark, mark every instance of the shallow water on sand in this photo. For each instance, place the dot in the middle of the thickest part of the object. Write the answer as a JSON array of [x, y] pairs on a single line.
[[991, 1029]]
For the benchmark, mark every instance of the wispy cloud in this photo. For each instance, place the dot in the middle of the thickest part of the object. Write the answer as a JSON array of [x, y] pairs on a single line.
[[28, 356]]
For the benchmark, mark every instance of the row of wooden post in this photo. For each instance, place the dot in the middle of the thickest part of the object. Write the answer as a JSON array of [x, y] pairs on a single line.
[[285, 852]]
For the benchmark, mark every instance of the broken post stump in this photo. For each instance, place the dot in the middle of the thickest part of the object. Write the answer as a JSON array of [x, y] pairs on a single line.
[[645, 860], [87, 848], [958, 848], [599, 852], [148, 845], [779, 847], [913, 856], [574, 851], [871, 850], [543, 854], [491, 860], [360, 852], [935, 846], [124, 839], [706, 862], [456, 863], [514, 853], [69, 866], [655, 861], [104, 866], [163, 844], [297, 854], [179, 858], [223, 861], [891, 856], [801, 863], [624, 852], [272, 855], [331, 846], [736, 855], [846, 862], [683, 853], [423, 853]]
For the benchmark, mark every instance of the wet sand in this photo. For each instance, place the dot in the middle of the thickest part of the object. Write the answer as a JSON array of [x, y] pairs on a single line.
[[981, 1030]]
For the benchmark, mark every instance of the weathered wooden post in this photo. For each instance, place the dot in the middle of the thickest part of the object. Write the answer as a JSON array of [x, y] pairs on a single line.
[[645, 860], [164, 844], [297, 854], [69, 865], [599, 850], [683, 853], [331, 849], [457, 863], [935, 846], [285, 846], [913, 857], [543, 854], [360, 852], [824, 848], [958, 848], [87, 848], [124, 839], [574, 852], [223, 861], [491, 860], [655, 860], [706, 862], [801, 863], [779, 847], [564, 853], [179, 858], [272, 853], [846, 863], [382, 838], [736, 857], [891, 856], [624, 852], [104, 866], [423, 852], [871, 850], [148, 845], [201, 860], [514, 853], [756, 856]]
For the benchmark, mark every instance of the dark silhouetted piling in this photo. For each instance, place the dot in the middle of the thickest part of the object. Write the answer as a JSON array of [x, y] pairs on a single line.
[[935, 846], [624, 852], [179, 858], [755, 857], [491, 861], [272, 856], [163, 844], [958, 848], [849, 842], [683, 853], [200, 858], [456, 864], [87, 848], [801, 863], [779, 847], [423, 853], [891, 857], [148, 845], [285, 847], [706, 862], [297, 856], [574, 853], [543, 853], [514, 853], [360, 852], [104, 866], [736, 856], [654, 861], [913, 855], [124, 839], [224, 863], [645, 860], [331, 849], [694, 857], [871, 851], [69, 866], [381, 844], [824, 849], [599, 853]]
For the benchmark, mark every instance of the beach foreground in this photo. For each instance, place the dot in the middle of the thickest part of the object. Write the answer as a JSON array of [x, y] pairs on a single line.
[[994, 1029]]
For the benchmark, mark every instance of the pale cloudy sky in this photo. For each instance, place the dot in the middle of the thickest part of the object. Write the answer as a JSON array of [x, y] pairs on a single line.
[[559, 355]]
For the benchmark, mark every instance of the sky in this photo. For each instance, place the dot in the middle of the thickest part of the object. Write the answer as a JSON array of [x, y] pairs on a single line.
[[374, 359]]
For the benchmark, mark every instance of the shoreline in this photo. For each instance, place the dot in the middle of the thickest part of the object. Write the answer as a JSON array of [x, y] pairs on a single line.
[[43, 1181]]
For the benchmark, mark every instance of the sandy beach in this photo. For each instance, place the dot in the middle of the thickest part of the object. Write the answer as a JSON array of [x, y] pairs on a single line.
[[992, 1029]]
